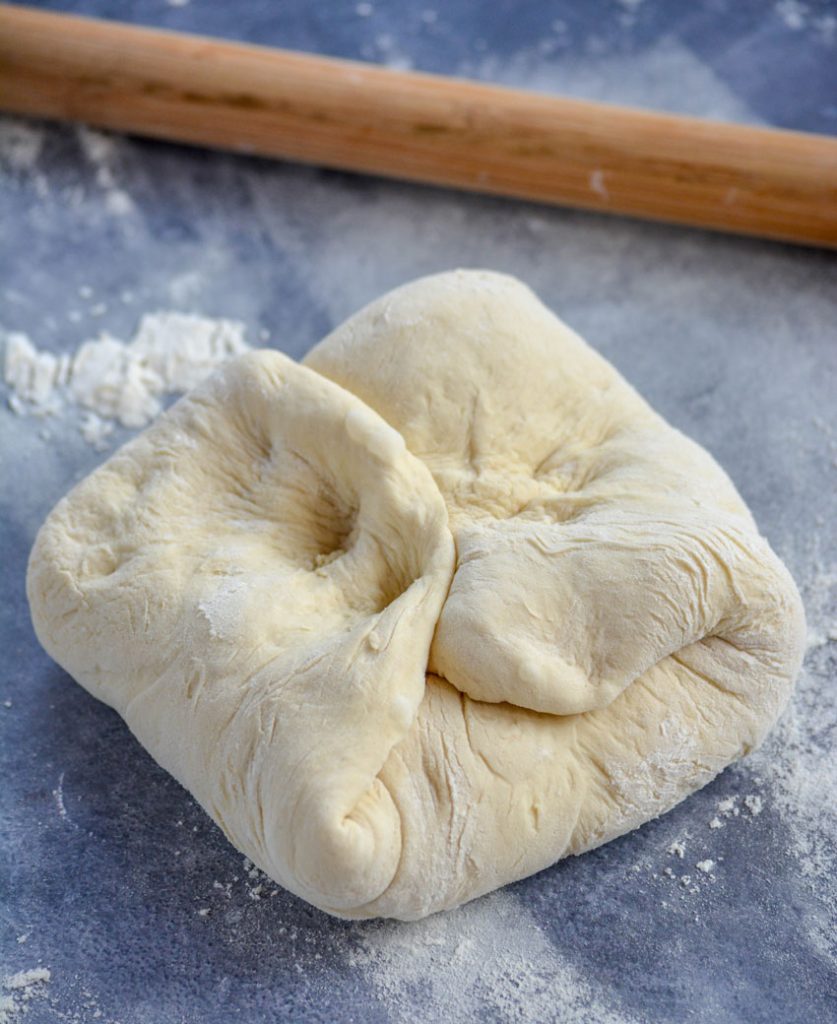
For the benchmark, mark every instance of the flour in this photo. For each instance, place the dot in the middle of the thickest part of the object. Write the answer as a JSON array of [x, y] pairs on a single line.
[[103, 152], [34, 377], [793, 14], [20, 144], [223, 609], [261, 890], [797, 765], [27, 979], [655, 779], [95, 430], [108, 381], [58, 797], [488, 960], [19, 990]]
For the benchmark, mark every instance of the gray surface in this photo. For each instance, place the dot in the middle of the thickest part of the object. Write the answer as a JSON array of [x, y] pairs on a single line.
[[105, 861]]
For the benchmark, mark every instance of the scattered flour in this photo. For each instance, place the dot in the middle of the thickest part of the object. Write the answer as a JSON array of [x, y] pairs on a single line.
[[793, 13], [27, 979], [488, 960], [117, 381], [677, 850], [18, 991], [706, 866], [95, 430], [257, 887], [58, 797], [796, 766], [103, 151], [729, 808], [20, 144]]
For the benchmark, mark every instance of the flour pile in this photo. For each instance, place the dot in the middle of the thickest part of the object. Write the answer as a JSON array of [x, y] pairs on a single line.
[[117, 381]]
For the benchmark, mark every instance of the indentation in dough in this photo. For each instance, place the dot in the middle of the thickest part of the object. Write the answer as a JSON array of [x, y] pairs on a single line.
[[99, 561]]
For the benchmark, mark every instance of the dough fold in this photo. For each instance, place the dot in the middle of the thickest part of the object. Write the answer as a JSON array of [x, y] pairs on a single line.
[[593, 539], [421, 616], [253, 583], [617, 631]]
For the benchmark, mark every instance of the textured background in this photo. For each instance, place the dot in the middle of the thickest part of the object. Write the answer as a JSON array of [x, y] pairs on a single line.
[[105, 862]]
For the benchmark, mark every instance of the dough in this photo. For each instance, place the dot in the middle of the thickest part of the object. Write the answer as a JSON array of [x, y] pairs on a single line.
[[593, 539], [254, 583]]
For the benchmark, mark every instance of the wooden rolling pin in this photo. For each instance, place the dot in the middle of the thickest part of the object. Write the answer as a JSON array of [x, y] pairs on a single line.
[[419, 127]]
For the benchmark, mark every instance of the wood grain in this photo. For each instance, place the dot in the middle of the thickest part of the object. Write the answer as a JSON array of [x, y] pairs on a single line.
[[424, 128]]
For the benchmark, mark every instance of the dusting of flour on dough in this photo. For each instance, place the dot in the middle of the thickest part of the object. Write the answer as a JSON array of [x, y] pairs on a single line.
[[108, 381], [222, 610], [658, 776]]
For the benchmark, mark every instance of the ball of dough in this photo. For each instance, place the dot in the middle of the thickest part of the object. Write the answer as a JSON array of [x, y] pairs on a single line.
[[426, 615]]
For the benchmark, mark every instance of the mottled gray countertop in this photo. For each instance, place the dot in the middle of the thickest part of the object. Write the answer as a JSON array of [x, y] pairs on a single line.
[[105, 862]]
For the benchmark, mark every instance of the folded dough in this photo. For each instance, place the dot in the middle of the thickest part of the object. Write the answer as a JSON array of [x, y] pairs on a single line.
[[254, 583], [608, 575]]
